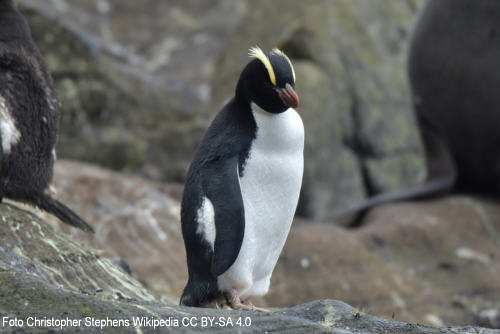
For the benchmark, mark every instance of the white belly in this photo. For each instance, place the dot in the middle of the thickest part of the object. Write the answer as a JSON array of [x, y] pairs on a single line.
[[270, 187]]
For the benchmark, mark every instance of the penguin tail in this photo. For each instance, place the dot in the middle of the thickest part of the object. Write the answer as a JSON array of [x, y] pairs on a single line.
[[61, 211]]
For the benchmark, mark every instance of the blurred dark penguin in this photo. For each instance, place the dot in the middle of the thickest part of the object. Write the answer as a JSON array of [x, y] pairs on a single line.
[[243, 186], [454, 72], [29, 117]]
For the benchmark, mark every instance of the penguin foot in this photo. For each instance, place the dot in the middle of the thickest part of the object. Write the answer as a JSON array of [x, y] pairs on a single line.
[[235, 303], [254, 308], [233, 299]]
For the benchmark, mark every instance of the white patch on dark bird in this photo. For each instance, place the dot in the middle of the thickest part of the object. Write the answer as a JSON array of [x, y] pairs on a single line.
[[54, 154], [10, 134], [270, 187], [206, 221]]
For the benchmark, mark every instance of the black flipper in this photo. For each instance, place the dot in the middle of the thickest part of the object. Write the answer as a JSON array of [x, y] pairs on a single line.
[[222, 187], [441, 177], [61, 211]]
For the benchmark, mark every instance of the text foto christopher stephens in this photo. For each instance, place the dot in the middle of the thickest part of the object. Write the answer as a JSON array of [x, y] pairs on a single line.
[[142, 322]]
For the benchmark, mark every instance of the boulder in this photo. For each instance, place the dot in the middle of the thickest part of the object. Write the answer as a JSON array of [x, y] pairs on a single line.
[[139, 84]]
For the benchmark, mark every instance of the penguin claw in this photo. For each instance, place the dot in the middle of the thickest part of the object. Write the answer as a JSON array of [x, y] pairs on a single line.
[[235, 303], [255, 308]]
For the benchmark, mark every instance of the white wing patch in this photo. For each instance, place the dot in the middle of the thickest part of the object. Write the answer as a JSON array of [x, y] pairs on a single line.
[[9, 133], [206, 221]]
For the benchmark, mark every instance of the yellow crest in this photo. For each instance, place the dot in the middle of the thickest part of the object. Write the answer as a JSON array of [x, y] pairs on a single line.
[[278, 52], [256, 52]]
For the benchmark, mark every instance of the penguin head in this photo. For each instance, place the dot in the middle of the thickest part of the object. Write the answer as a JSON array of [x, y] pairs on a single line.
[[6, 7], [14, 26], [6, 3], [269, 81]]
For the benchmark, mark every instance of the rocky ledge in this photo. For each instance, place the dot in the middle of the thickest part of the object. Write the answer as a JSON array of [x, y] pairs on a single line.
[[54, 282], [50, 282]]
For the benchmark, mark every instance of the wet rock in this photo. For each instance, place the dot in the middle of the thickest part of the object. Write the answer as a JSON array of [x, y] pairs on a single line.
[[139, 84]]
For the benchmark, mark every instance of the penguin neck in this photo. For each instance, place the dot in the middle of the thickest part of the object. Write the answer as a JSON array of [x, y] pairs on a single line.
[[243, 100], [241, 95]]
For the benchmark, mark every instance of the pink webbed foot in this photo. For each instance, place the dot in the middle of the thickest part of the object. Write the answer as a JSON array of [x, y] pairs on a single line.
[[234, 301]]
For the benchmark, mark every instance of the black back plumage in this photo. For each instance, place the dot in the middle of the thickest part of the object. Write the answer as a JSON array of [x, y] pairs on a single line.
[[28, 96], [212, 174]]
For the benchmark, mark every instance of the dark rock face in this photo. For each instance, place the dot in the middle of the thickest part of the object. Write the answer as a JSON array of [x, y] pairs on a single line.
[[139, 84]]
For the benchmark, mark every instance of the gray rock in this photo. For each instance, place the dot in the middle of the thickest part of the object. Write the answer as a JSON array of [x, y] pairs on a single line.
[[47, 275], [132, 81], [351, 58], [139, 84], [428, 262], [332, 177], [31, 248]]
